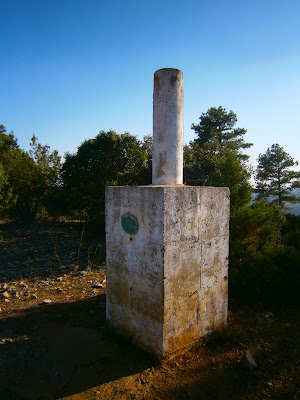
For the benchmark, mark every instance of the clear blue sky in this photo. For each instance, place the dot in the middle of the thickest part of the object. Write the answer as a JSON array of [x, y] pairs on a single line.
[[70, 68]]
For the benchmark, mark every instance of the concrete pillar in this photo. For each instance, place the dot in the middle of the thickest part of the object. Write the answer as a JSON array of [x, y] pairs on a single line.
[[167, 244], [167, 158]]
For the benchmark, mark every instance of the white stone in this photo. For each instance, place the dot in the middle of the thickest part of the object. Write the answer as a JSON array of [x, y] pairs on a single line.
[[251, 361], [47, 301]]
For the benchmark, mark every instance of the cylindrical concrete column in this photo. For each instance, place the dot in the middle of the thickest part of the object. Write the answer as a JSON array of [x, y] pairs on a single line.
[[167, 156]]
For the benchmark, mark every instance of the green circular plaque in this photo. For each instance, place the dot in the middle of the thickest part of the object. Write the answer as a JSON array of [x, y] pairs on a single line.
[[130, 223]]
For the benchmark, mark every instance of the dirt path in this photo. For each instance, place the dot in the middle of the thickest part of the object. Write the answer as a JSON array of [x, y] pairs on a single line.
[[55, 344]]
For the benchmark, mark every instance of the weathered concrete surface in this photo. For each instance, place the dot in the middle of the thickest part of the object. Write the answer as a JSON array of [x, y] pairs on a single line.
[[167, 284], [167, 157]]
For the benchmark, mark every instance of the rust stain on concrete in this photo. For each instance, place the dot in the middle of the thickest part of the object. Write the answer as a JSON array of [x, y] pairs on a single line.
[[161, 136], [161, 164], [173, 79], [183, 340], [156, 82], [217, 230]]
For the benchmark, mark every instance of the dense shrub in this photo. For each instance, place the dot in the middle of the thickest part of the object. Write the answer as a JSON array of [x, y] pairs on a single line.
[[264, 254]]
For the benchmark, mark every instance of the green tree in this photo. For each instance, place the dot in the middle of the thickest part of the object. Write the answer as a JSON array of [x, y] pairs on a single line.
[[7, 197], [8, 145], [217, 129], [147, 146], [264, 254], [108, 159], [275, 176], [46, 175], [216, 156], [26, 178]]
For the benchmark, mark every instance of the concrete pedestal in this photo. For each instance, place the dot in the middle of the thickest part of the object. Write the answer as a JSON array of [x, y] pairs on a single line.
[[167, 278]]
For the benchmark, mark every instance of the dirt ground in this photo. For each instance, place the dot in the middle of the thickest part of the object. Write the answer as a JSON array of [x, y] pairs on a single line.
[[55, 343]]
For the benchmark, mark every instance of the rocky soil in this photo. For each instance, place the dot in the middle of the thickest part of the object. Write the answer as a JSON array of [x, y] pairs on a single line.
[[55, 344]]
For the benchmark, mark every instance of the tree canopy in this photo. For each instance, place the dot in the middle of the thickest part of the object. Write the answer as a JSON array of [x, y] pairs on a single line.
[[275, 176], [217, 130], [26, 178], [108, 159], [216, 156]]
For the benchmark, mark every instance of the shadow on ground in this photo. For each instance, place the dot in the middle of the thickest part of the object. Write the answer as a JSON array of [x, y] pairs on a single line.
[[53, 351]]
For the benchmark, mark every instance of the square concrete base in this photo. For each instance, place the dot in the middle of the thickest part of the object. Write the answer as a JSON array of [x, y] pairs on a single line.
[[167, 263]]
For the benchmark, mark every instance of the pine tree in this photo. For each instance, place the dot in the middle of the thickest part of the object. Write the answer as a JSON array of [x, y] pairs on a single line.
[[275, 176]]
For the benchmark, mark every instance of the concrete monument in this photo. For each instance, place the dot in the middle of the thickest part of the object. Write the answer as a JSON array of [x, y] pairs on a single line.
[[166, 243]]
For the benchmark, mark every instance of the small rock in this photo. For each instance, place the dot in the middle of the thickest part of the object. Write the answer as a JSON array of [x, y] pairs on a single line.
[[251, 361], [97, 285], [46, 301], [33, 297], [269, 315], [214, 363], [43, 283], [269, 384], [5, 295]]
